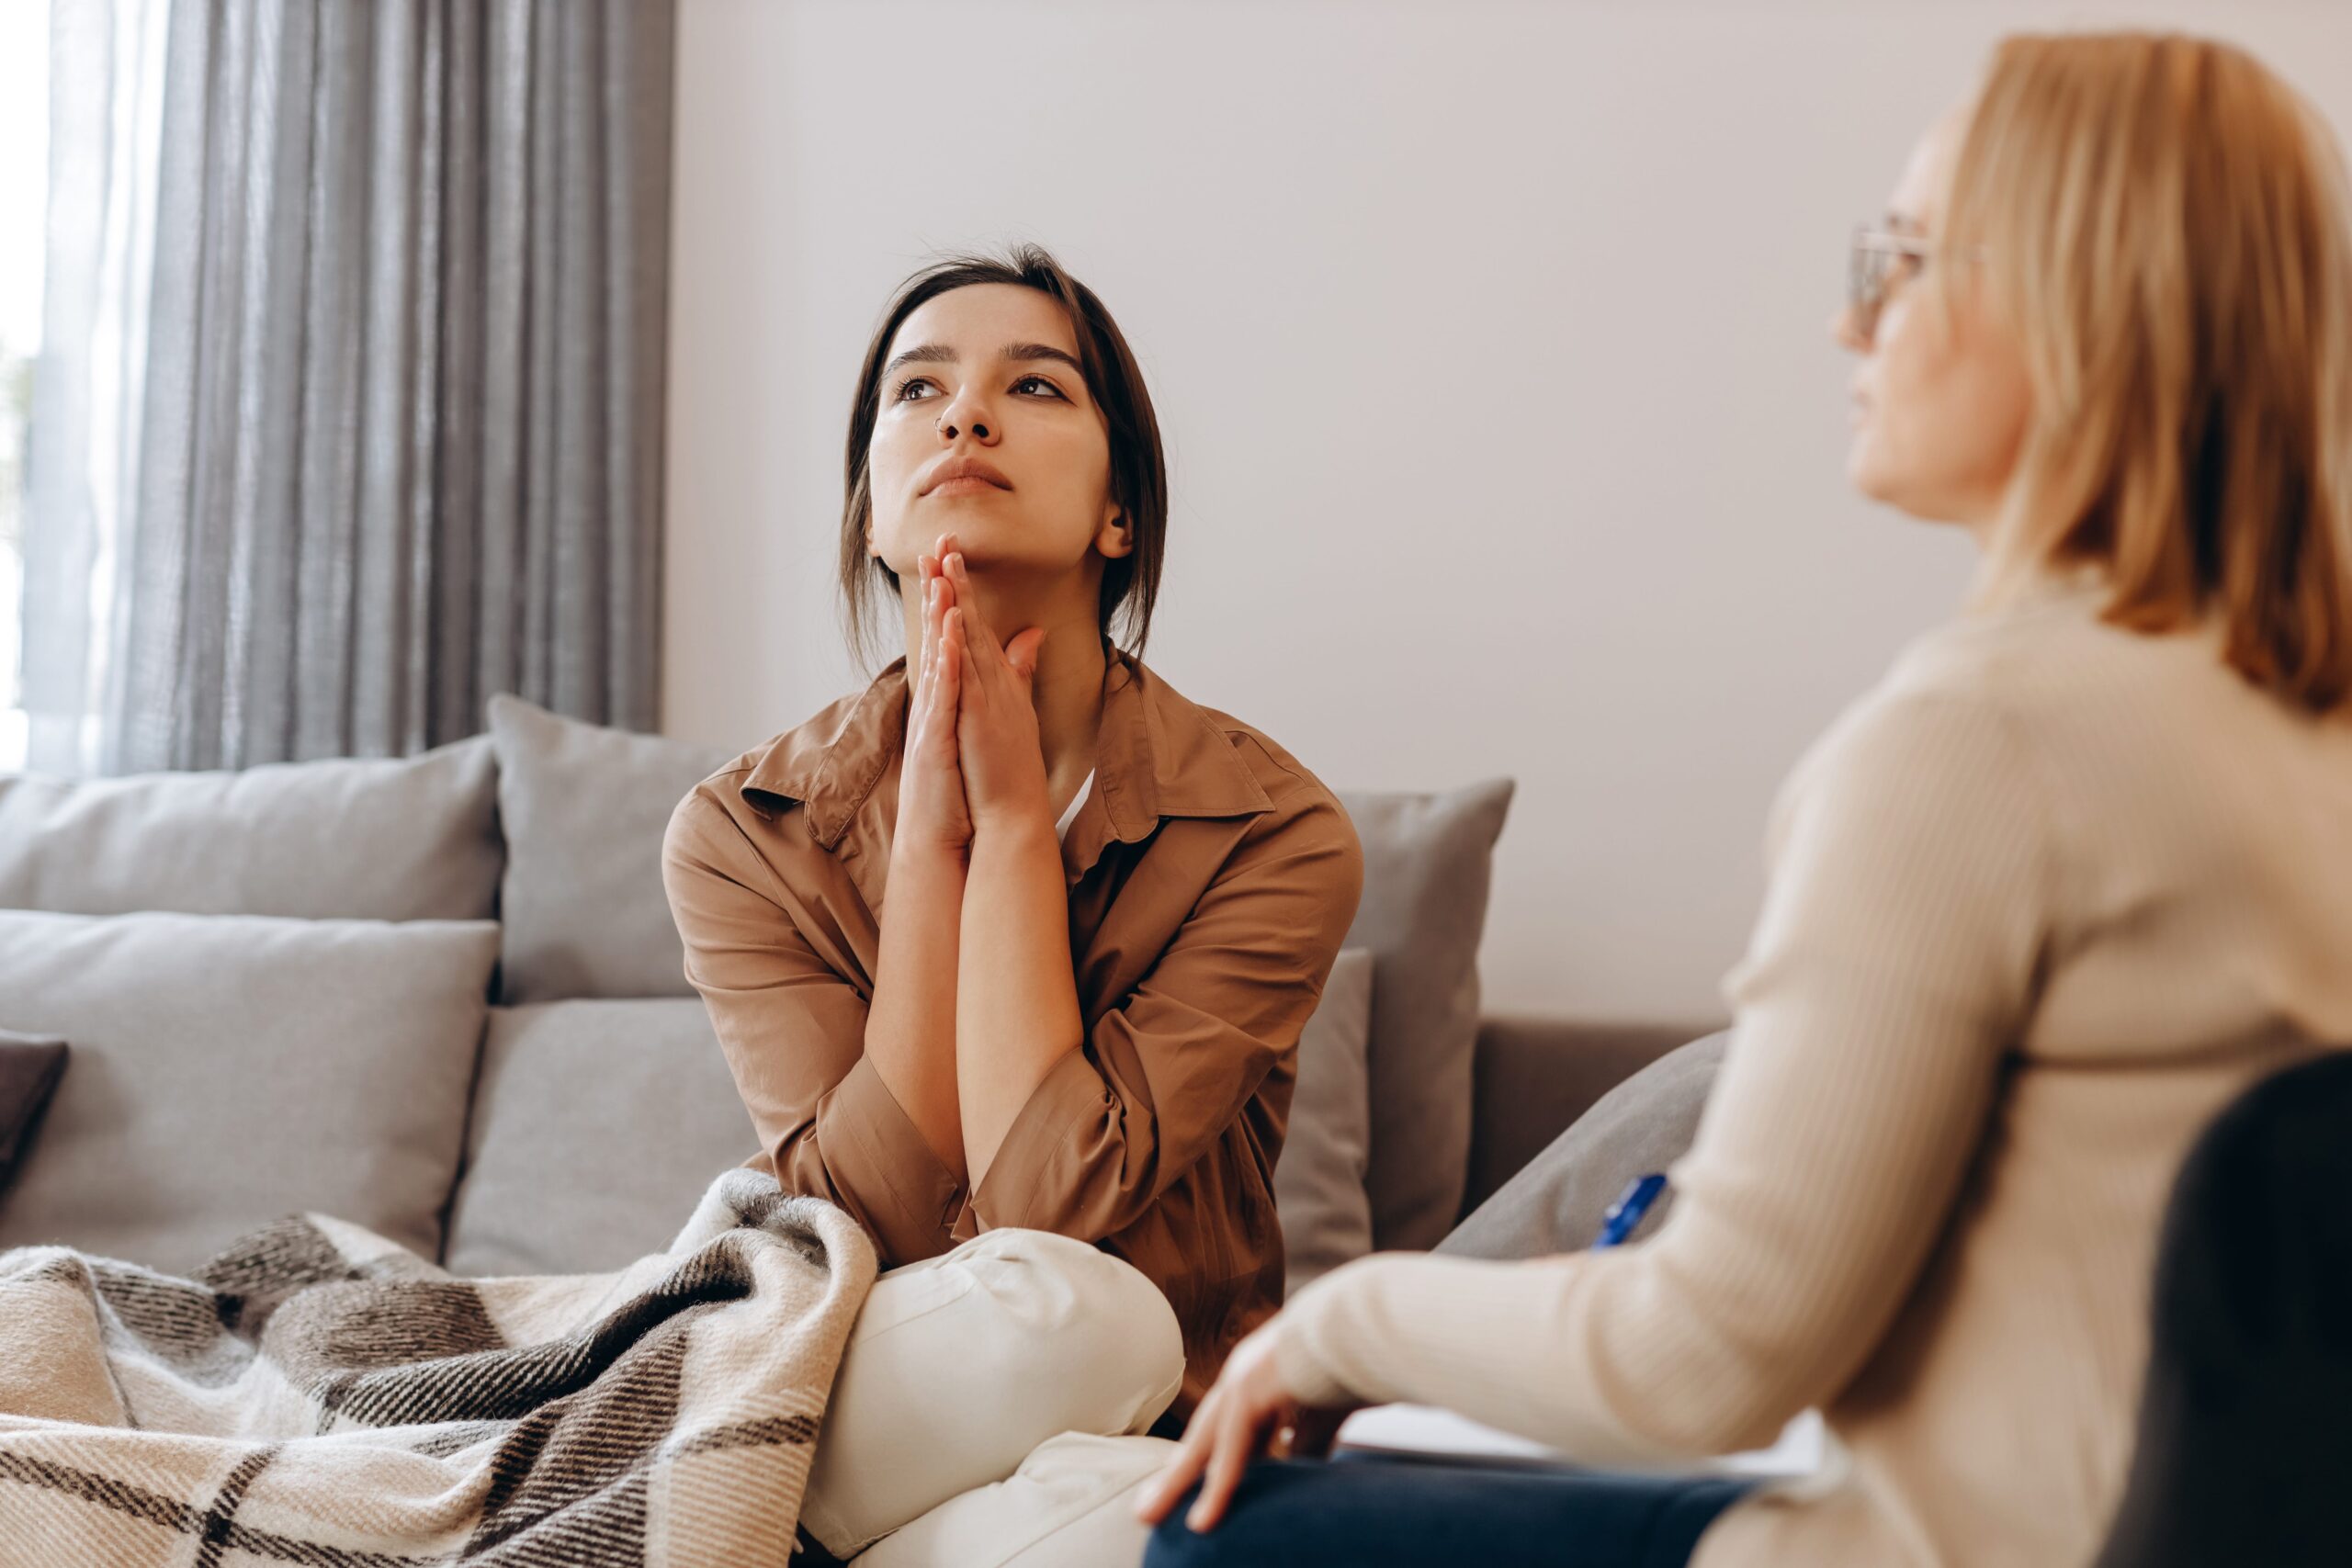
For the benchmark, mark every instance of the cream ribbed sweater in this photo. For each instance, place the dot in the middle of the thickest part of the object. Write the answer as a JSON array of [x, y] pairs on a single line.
[[2039, 905]]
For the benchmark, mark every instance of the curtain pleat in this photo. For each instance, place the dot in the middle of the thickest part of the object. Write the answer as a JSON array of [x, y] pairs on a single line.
[[399, 393]]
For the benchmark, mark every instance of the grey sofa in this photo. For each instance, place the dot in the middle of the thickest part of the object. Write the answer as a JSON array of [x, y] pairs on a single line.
[[440, 997]]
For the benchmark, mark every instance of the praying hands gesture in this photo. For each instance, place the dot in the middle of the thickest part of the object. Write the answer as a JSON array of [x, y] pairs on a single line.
[[972, 752], [973, 999], [934, 813]]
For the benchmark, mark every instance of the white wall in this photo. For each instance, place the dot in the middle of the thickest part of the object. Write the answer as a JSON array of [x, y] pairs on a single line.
[[1488, 341]]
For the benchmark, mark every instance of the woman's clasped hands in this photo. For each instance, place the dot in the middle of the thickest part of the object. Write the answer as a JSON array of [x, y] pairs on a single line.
[[973, 760]]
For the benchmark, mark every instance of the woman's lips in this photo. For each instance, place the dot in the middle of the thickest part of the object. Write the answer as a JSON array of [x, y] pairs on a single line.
[[963, 484], [950, 471]]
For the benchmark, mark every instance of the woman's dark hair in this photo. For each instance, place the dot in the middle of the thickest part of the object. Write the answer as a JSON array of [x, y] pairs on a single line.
[[1138, 468]]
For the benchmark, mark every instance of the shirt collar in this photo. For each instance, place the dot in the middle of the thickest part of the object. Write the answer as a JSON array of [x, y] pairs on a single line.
[[1157, 756]]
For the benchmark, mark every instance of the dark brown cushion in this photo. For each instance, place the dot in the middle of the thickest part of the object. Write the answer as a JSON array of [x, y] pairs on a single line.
[[30, 1065]]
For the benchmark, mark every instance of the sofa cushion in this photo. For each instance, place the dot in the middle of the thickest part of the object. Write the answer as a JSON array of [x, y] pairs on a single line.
[[29, 1068], [229, 1071], [584, 808], [1535, 1076], [1319, 1181], [1427, 860], [407, 839], [1644, 1124], [596, 1127]]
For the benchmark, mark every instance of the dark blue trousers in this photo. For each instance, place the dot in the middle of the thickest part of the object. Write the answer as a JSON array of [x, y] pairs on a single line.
[[1382, 1513]]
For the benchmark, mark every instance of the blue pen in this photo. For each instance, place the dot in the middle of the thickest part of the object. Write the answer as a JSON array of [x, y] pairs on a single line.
[[1627, 1211]]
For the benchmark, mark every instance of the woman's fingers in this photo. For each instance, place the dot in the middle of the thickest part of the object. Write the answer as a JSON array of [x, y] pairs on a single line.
[[983, 637], [927, 606], [947, 676], [1237, 1443], [929, 631], [1183, 1466], [1017, 659], [937, 599], [955, 646], [974, 676], [1021, 654]]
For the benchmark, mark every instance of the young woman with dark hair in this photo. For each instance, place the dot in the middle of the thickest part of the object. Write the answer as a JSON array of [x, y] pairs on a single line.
[[1010, 953]]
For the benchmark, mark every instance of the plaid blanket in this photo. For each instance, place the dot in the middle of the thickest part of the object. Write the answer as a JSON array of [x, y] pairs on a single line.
[[317, 1395]]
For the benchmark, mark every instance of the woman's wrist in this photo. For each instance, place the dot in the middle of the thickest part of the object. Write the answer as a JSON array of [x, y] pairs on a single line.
[[914, 854], [1015, 829], [1309, 1380]]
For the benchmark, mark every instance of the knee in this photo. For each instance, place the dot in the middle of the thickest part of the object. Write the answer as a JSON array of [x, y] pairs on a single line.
[[1174, 1544], [1089, 1319]]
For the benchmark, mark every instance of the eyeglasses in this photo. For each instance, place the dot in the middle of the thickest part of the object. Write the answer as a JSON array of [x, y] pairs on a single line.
[[1878, 256]]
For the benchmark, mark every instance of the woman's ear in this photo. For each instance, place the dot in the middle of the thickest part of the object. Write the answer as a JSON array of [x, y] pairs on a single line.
[[1114, 538]]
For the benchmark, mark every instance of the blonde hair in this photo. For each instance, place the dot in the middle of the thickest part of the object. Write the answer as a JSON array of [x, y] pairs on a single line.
[[2163, 223]]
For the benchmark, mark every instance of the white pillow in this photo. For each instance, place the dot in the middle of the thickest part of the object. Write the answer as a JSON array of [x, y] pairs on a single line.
[[583, 807], [339, 839], [232, 1069], [597, 1126]]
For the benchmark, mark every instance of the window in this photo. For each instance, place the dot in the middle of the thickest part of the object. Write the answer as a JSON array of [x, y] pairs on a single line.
[[24, 187]]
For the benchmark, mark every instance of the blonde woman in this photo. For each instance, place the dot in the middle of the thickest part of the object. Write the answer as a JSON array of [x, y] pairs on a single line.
[[2076, 873]]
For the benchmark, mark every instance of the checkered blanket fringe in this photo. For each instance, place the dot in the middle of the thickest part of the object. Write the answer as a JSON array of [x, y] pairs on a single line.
[[319, 1396]]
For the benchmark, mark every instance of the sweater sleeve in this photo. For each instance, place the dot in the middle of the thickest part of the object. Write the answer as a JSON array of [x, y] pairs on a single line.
[[1909, 894]]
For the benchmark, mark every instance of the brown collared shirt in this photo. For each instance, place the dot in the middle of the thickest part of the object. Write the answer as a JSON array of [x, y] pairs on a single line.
[[1211, 880]]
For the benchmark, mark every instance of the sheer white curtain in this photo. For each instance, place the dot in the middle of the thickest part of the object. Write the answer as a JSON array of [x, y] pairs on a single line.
[[106, 124]]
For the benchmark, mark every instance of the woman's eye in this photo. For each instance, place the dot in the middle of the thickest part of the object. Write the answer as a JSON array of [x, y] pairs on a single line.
[[1038, 386], [908, 389]]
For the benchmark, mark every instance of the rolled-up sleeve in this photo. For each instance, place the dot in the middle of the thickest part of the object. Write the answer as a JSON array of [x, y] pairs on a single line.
[[1160, 1078], [794, 1030]]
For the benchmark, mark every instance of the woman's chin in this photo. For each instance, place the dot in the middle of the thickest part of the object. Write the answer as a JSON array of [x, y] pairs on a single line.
[[1875, 478], [1865, 473]]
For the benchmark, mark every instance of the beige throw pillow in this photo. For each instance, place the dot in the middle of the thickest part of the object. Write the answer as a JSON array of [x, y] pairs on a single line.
[[1427, 860], [1319, 1181]]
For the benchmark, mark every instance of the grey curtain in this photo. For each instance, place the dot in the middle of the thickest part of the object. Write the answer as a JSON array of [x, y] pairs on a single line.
[[397, 443]]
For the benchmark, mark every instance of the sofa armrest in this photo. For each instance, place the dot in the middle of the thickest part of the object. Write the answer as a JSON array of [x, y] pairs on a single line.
[[1532, 1077]]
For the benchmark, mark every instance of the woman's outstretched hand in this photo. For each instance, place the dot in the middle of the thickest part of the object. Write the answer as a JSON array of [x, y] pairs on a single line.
[[934, 814], [1248, 1412], [996, 729]]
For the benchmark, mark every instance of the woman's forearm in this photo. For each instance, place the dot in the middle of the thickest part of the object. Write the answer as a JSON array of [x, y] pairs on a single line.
[[911, 1027], [1016, 1001]]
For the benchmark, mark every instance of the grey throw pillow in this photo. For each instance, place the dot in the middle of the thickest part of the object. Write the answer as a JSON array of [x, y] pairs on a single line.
[[406, 839], [1644, 1124], [1319, 1181], [596, 1127], [29, 1068], [229, 1071], [1428, 860], [584, 808]]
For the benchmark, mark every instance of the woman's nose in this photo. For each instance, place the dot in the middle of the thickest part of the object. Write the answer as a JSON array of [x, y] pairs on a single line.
[[968, 415], [1847, 333]]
